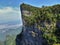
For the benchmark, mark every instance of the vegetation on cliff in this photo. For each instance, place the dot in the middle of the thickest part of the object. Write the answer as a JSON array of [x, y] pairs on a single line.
[[47, 19]]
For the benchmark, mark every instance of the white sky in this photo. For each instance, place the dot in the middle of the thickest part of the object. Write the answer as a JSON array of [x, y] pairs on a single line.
[[8, 14]]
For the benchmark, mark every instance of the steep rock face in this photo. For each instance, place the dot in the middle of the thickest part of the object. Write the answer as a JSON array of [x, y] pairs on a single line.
[[30, 34], [41, 26]]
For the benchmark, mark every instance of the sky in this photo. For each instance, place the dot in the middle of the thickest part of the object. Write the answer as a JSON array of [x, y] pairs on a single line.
[[10, 9], [10, 12], [39, 3]]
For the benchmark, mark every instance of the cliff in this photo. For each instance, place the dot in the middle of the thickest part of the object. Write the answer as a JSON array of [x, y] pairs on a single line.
[[40, 25]]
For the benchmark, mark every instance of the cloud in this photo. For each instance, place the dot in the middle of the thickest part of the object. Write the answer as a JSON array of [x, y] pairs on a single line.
[[10, 26], [8, 10], [9, 14]]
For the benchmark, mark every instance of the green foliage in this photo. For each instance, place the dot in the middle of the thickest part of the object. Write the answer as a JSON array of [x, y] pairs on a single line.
[[46, 18], [10, 40]]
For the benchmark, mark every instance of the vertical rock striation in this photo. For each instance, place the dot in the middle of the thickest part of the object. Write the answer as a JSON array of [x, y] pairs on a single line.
[[30, 34]]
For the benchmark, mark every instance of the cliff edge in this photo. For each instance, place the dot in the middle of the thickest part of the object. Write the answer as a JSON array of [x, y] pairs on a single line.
[[40, 25]]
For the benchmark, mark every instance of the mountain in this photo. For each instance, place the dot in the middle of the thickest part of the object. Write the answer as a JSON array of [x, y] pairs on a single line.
[[41, 26], [8, 33]]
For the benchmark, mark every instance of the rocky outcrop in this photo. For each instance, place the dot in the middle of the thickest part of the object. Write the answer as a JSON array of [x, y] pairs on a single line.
[[40, 25], [30, 36]]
